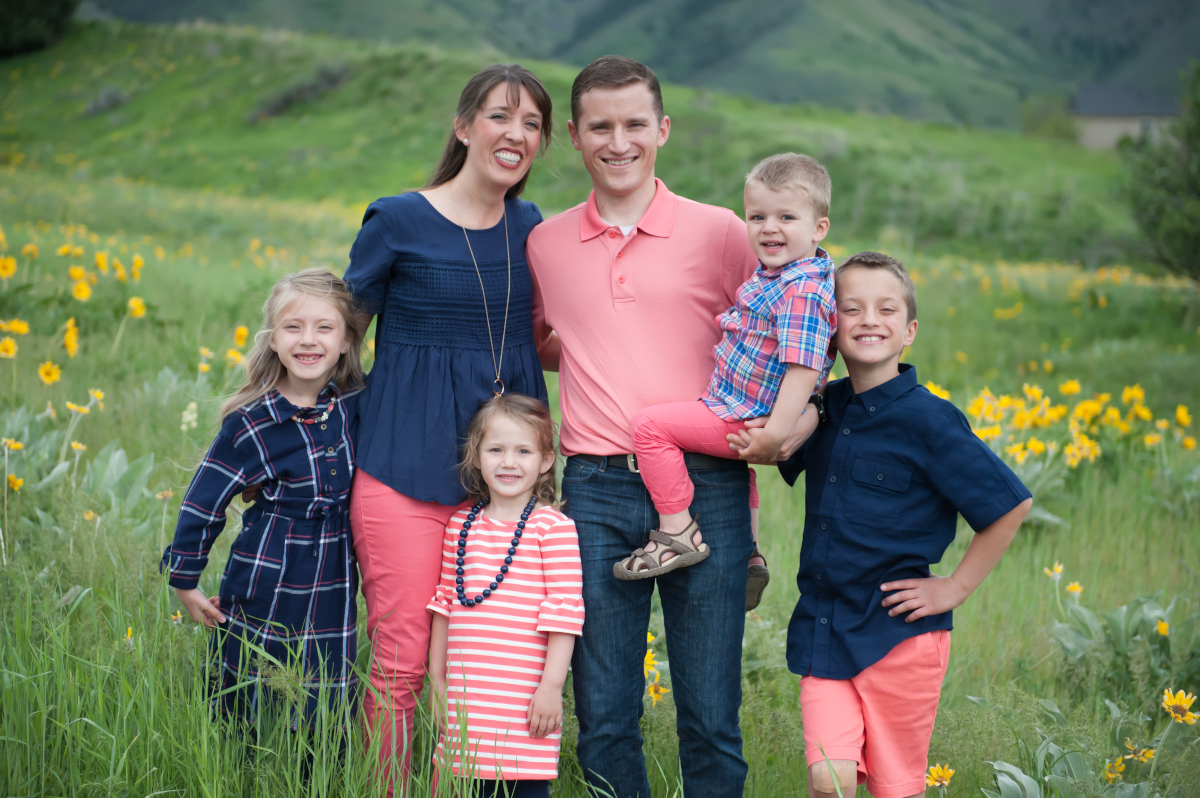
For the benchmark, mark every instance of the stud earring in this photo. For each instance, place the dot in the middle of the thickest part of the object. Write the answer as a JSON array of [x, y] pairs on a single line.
[[466, 142]]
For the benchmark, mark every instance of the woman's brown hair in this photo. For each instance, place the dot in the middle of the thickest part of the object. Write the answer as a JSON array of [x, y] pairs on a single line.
[[524, 410], [263, 368], [471, 101]]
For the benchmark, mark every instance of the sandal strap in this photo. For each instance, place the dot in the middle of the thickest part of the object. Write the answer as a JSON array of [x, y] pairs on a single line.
[[680, 543]]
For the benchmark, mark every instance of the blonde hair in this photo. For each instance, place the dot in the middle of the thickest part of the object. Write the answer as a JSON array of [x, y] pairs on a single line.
[[263, 368], [882, 262], [789, 170], [524, 410]]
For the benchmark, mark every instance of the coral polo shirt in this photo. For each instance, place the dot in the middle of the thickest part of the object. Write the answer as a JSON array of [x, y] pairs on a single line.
[[635, 315]]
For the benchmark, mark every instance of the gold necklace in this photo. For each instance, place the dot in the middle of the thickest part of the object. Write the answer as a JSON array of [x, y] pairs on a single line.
[[496, 363]]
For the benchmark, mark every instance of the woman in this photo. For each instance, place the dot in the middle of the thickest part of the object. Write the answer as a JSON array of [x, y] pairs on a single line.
[[444, 270]]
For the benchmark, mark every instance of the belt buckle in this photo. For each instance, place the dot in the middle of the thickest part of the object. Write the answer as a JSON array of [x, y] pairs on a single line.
[[631, 462]]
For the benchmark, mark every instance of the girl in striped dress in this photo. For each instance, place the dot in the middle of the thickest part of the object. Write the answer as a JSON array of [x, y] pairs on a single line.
[[507, 608]]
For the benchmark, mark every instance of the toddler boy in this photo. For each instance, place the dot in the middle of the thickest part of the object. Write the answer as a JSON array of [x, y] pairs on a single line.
[[774, 352], [888, 471]]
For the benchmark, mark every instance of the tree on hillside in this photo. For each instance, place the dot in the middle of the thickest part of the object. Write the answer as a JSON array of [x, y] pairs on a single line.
[[33, 24], [1165, 186]]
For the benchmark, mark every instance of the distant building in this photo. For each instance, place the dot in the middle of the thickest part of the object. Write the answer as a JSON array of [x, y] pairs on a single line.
[[1103, 114]]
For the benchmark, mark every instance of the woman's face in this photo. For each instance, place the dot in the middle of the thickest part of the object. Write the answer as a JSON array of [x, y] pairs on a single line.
[[502, 140]]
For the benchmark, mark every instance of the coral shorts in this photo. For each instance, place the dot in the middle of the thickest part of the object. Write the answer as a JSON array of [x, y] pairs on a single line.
[[882, 718]]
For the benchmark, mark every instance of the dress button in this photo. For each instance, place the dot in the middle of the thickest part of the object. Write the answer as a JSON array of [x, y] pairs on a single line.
[[846, 432], [333, 472], [824, 526], [880, 477], [824, 620], [621, 279], [331, 450], [833, 479], [322, 426]]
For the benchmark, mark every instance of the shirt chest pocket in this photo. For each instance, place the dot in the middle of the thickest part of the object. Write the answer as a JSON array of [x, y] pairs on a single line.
[[880, 486]]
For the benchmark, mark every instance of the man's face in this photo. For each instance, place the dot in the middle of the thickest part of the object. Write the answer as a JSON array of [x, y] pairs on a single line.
[[619, 134]]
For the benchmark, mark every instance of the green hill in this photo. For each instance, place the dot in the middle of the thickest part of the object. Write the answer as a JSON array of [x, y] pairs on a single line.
[[958, 61], [251, 113]]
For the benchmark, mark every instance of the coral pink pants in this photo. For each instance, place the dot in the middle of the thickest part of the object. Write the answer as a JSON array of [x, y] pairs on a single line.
[[398, 543], [662, 433]]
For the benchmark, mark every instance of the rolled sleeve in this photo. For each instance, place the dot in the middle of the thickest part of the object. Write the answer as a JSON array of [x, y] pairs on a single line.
[[804, 330], [562, 609], [970, 475], [223, 474], [371, 259]]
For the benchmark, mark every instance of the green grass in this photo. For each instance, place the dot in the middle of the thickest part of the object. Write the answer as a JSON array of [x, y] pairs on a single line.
[[85, 713]]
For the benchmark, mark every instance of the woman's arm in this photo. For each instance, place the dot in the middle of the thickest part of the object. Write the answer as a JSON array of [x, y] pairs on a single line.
[[545, 710]]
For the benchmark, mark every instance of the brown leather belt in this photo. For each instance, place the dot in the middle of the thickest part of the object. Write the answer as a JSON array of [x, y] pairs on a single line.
[[693, 460]]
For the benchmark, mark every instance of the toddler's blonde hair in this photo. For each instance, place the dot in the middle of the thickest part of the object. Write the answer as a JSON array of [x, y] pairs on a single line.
[[791, 170]]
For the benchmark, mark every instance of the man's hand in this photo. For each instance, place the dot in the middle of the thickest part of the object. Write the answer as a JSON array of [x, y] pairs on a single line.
[[545, 711], [201, 609], [741, 441], [922, 597]]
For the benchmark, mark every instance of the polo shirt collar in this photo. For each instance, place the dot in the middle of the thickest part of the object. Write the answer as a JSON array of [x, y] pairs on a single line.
[[881, 395], [658, 220]]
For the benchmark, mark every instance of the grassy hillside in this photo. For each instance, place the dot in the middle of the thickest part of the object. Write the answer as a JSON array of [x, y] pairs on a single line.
[[957, 61], [179, 107]]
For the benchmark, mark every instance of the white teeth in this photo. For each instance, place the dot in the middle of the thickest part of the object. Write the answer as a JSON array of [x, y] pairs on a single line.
[[621, 162], [870, 338], [510, 158]]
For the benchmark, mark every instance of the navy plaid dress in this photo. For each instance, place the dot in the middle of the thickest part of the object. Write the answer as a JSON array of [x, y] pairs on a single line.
[[290, 585]]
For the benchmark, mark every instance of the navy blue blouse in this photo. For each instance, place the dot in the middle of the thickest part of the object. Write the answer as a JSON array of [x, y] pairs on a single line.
[[411, 267], [887, 477]]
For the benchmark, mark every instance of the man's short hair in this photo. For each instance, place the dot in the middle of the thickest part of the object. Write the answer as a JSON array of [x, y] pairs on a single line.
[[878, 260], [790, 170], [614, 72]]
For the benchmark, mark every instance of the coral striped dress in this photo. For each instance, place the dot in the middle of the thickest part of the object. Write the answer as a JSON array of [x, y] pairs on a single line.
[[497, 650]]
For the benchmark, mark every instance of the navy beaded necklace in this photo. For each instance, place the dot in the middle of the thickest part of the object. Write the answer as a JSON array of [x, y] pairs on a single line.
[[462, 551]]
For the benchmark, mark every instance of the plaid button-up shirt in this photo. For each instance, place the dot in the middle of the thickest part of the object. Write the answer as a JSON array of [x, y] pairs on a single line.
[[782, 316]]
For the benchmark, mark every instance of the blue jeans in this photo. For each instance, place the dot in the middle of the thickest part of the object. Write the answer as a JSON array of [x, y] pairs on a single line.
[[704, 613]]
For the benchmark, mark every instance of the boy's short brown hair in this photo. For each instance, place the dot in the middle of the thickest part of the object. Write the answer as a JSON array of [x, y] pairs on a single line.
[[614, 72], [878, 260], [791, 170]]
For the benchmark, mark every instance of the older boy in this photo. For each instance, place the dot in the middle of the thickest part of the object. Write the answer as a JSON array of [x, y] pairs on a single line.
[[888, 472]]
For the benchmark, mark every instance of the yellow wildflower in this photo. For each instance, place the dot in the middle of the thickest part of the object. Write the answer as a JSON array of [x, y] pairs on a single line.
[[1133, 394], [649, 664], [50, 410], [961, 356], [240, 334], [204, 367], [1032, 392], [656, 691], [1179, 706], [255, 244], [205, 352], [8, 266], [1142, 412], [1018, 452], [15, 482], [90, 515], [1182, 417], [1088, 409], [81, 291], [1048, 366], [1035, 446], [164, 495], [650, 638], [137, 307], [49, 373], [80, 409], [102, 261], [177, 618], [119, 271], [1162, 424], [938, 776], [76, 251], [1069, 388], [129, 633], [1056, 573], [1113, 771], [1189, 442], [1152, 440], [98, 396], [1075, 589], [160, 253], [76, 273], [71, 338], [30, 250], [987, 433], [77, 446], [63, 251], [937, 390], [232, 357], [135, 268], [9, 443], [1102, 398], [8, 348], [1163, 628], [18, 327]]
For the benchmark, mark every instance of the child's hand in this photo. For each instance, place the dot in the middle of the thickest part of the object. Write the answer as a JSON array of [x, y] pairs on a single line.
[[545, 711], [201, 609], [922, 597], [804, 429], [763, 448]]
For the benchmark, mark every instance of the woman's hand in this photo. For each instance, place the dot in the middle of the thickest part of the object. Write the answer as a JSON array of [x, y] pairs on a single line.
[[201, 609], [545, 711]]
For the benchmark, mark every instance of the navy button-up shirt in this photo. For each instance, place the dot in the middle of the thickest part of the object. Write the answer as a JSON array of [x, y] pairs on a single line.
[[887, 477]]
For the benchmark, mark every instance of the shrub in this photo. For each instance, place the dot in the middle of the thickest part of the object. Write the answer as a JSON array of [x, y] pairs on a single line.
[[27, 25]]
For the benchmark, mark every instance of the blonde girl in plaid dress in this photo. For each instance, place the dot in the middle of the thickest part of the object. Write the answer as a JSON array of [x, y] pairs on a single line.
[[291, 580]]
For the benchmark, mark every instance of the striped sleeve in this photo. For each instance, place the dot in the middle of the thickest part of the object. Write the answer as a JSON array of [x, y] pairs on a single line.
[[562, 609]]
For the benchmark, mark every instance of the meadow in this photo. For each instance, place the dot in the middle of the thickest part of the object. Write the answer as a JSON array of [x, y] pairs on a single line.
[[138, 240]]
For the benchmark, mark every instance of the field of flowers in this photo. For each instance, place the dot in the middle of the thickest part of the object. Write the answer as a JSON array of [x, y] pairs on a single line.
[[125, 307]]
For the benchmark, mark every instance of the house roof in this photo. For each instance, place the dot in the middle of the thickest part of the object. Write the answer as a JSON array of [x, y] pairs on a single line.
[[1111, 100]]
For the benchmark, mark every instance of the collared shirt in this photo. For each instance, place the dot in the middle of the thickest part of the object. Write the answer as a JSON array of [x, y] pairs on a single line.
[[887, 477], [782, 316], [634, 314], [306, 471]]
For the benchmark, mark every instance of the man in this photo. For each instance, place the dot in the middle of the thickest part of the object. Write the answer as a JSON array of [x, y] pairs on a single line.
[[626, 288]]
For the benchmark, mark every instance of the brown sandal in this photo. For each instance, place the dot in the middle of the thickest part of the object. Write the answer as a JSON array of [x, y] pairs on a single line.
[[644, 565], [756, 581]]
